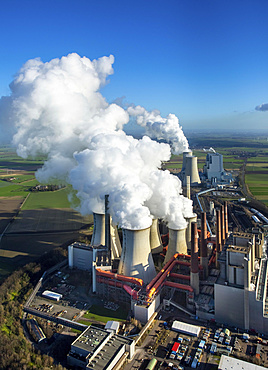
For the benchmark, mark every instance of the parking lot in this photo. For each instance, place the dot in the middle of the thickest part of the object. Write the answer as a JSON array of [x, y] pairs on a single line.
[[201, 352]]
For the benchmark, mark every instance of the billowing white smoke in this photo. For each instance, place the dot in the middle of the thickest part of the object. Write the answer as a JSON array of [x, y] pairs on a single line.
[[59, 111], [160, 128]]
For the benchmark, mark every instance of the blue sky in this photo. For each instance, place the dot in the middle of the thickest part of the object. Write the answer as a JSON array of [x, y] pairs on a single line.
[[206, 61]]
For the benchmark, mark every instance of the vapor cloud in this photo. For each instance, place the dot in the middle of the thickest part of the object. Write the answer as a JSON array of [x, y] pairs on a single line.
[[58, 110]]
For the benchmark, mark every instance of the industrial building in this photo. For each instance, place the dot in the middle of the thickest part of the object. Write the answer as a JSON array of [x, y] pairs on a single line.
[[207, 271], [242, 281], [228, 363], [213, 169], [99, 349]]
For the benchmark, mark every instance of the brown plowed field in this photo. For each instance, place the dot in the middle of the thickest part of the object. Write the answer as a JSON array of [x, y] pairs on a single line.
[[44, 220], [8, 208]]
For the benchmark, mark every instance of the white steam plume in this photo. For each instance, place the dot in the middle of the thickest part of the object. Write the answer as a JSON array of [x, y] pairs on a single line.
[[59, 111], [157, 127]]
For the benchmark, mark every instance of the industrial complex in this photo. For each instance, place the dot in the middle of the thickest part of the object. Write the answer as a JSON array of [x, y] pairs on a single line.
[[211, 270]]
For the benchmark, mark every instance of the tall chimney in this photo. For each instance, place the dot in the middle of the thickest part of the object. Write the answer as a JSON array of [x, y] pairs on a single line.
[[177, 243], [223, 237], [194, 277], [203, 250], [136, 258], [107, 228], [226, 219], [218, 235], [155, 238], [188, 187]]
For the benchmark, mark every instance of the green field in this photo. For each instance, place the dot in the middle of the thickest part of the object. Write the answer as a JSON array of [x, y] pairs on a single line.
[[102, 314], [47, 199]]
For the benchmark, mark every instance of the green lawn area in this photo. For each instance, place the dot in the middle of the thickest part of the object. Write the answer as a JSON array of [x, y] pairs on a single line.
[[102, 314], [47, 199]]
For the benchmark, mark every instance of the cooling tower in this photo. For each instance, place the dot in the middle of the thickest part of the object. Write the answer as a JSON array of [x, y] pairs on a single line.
[[98, 236], [177, 243], [155, 238], [190, 220], [191, 170], [136, 258], [185, 154], [116, 248]]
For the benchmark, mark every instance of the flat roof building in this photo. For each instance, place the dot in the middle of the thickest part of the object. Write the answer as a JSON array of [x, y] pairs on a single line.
[[185, 328], [99, 349], [228, 363]]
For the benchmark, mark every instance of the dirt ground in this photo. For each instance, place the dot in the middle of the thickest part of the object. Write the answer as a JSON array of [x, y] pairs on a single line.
[[8, 208], [44, 220]]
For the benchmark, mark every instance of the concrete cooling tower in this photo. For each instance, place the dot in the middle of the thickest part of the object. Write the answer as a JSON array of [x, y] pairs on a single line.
[[190, 220], [98, 236], [191, 170], [155, 238], [177, 243], [185, 154], [136, 259]]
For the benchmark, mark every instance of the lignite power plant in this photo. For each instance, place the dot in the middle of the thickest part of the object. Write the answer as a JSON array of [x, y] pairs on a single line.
[[128, 272]]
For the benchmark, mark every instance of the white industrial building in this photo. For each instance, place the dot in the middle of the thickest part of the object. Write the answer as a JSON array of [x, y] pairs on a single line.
[[185, 328], [99, 349], [214, 171], [230, 363], [240, 292]]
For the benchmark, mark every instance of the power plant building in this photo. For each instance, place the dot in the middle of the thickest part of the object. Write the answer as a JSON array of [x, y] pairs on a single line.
[[99, 349], [213, 169], [241, 291]]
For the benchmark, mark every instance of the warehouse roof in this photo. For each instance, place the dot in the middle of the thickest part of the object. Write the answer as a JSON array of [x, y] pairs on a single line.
[[227, 363], [186, 328]]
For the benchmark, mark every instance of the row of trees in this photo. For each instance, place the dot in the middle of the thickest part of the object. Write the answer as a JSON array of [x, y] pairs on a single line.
[[15, 351]]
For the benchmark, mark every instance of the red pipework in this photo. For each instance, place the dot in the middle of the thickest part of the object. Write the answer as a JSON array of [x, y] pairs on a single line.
[[130, 291], [150, 285], [110, 282], [127, 279], [179, 276], [178, 286], [213, 257], [184, 263]]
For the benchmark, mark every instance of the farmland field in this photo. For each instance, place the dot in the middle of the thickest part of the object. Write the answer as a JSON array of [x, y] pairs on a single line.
[[45, 221]]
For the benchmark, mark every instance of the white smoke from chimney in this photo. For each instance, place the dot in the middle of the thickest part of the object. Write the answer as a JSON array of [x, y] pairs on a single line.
[[157, 127], [59, 112]]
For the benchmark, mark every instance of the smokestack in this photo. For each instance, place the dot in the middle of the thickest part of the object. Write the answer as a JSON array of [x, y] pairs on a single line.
[[155, 238], [98, 236], [177, 243], [203, 250], [107, 227], [223, 237], [190, 220], [226, 219], [218, 235], [136, 259], [194, 278], [188, 187]]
